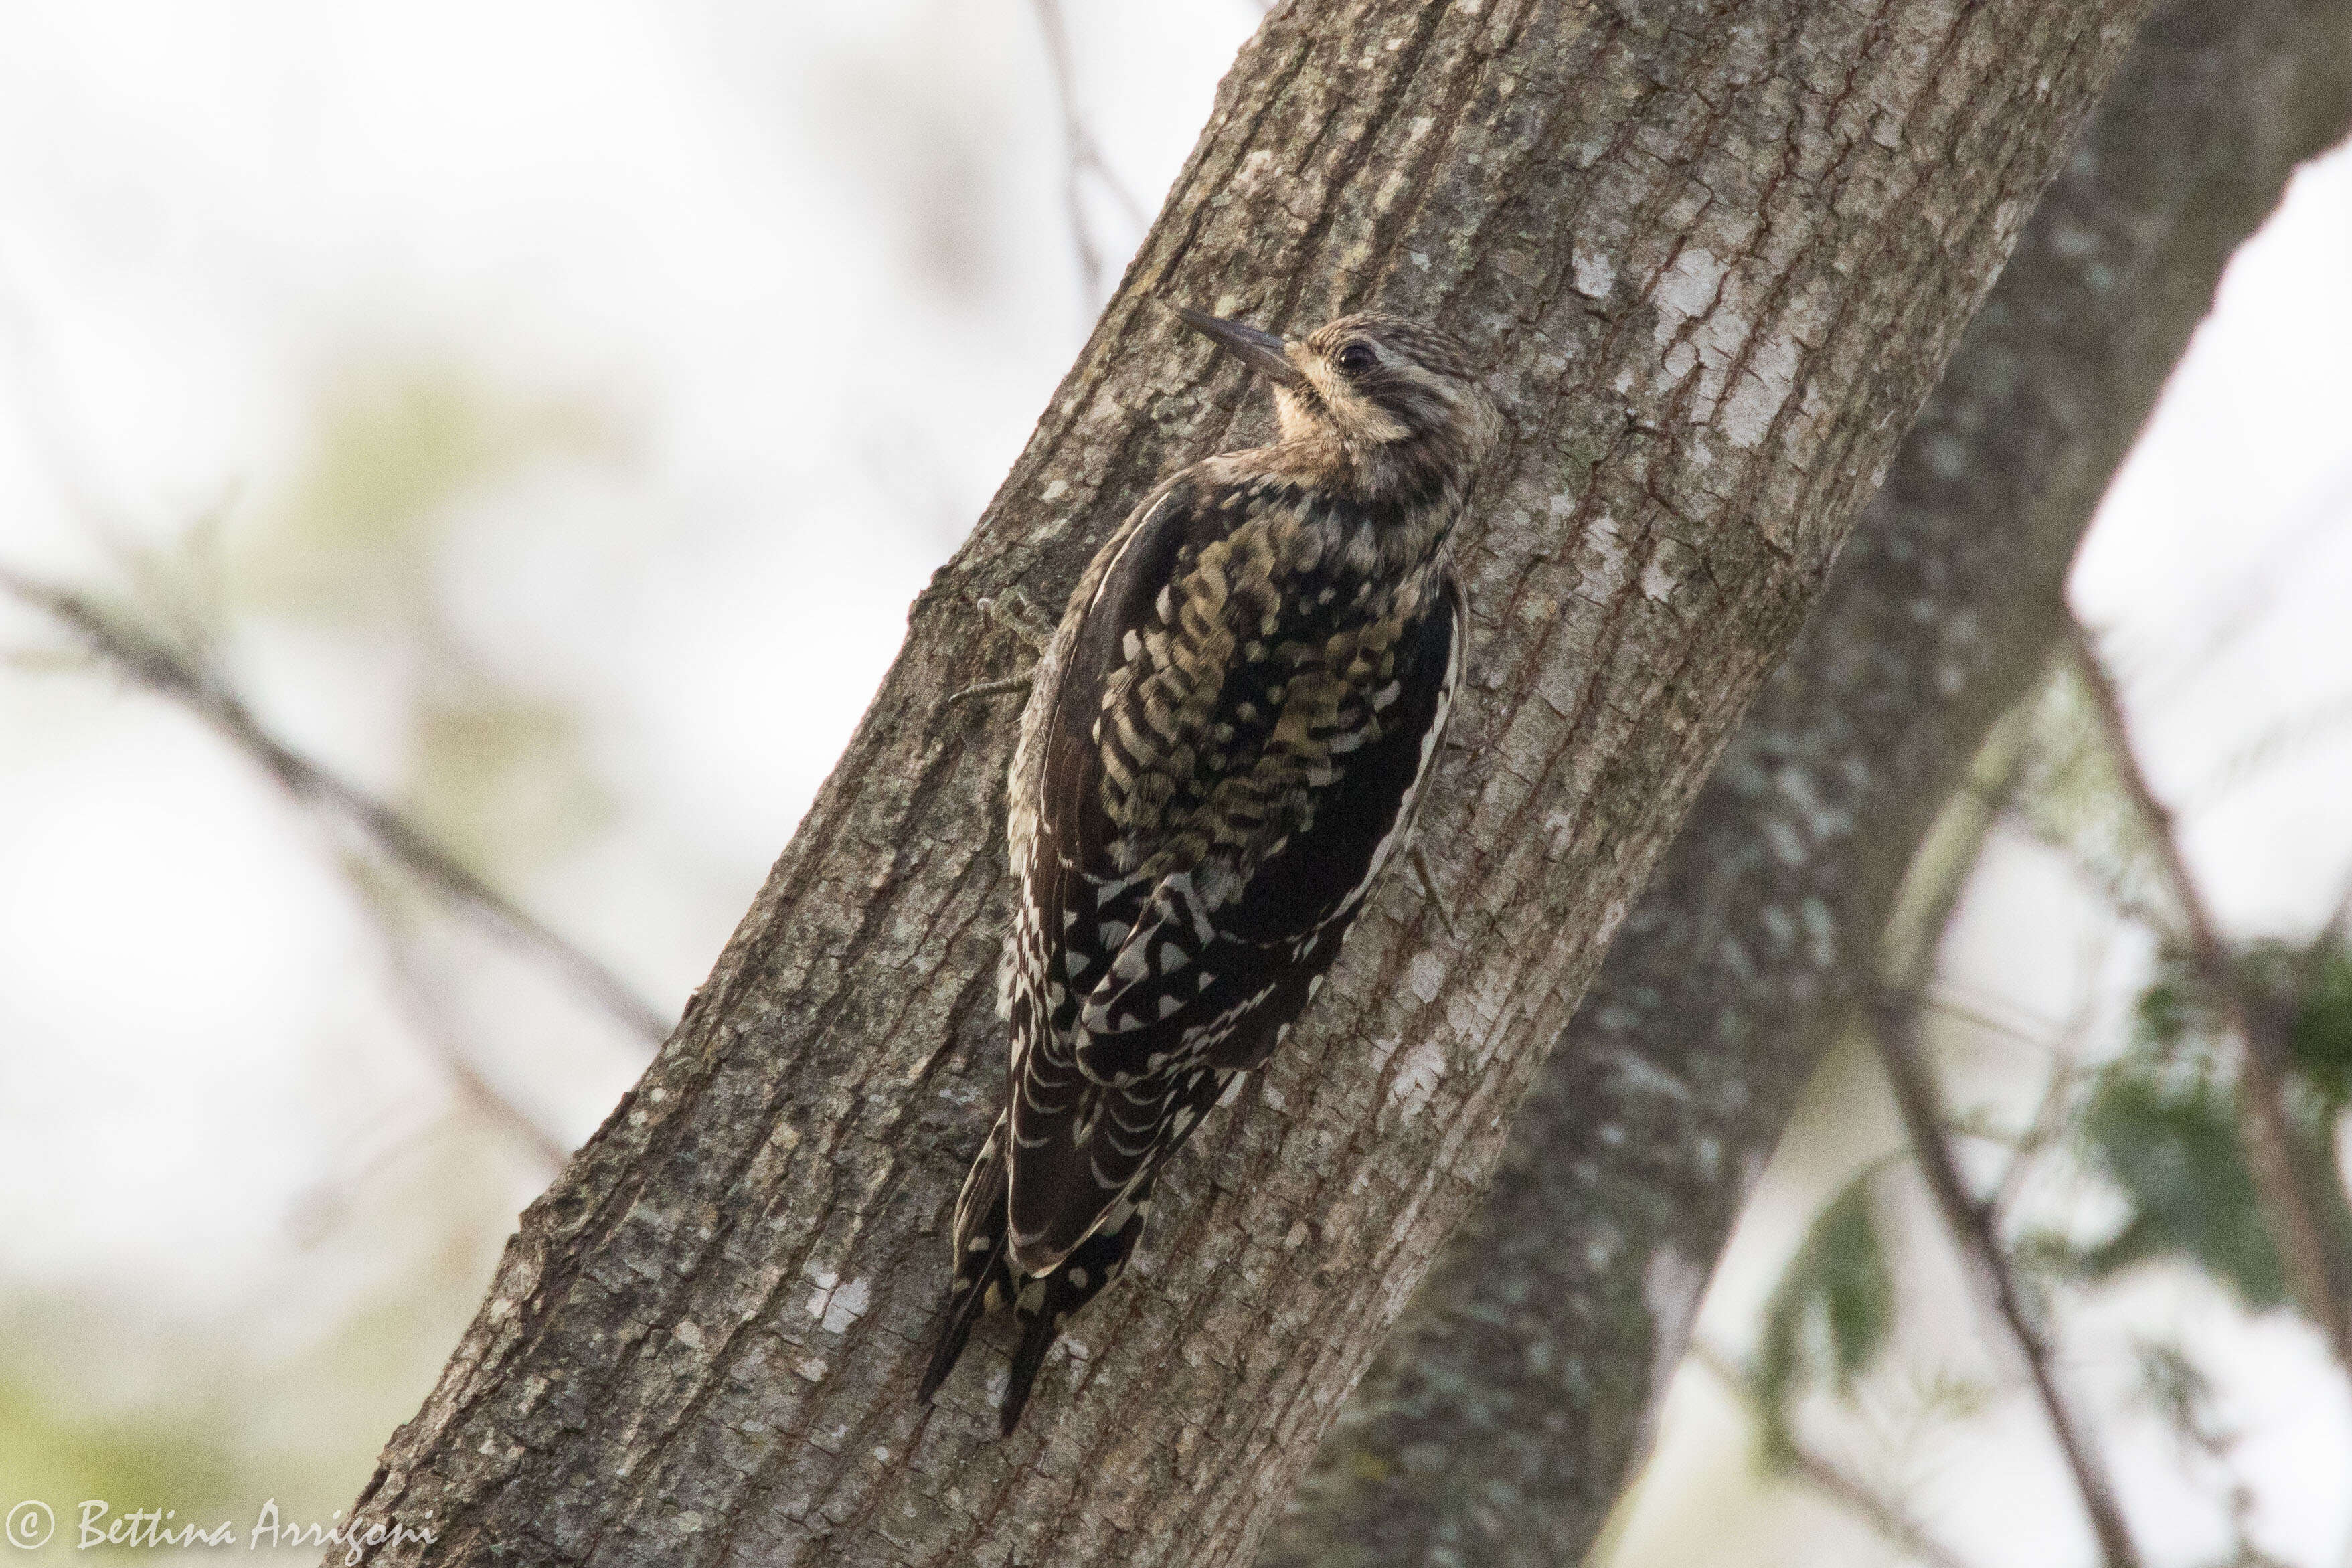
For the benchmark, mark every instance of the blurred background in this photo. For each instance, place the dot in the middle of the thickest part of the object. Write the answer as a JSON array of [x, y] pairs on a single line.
[[534, 420]]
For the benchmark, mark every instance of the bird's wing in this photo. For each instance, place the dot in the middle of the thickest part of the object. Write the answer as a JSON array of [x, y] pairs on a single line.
[[1231, 758], [1200, 977]]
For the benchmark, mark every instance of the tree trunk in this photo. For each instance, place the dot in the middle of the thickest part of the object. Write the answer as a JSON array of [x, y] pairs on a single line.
[[1714, 262], [1502, 1417]]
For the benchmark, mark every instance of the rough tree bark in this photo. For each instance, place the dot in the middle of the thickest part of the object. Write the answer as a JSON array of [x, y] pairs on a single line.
[[1501, 1419], [1715, 256]]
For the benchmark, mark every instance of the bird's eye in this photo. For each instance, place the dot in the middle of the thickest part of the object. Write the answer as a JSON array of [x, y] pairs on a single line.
[[1357, 358]]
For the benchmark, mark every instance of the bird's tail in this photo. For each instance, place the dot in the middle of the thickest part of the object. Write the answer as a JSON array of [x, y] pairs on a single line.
[[986, 1277], [1043, 1304], [984, 1260]]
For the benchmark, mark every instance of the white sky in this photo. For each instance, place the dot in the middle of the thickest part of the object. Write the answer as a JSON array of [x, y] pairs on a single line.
[[814, 259]]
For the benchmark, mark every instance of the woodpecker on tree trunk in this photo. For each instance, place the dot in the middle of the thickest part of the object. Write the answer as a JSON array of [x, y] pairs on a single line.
[[1224, 746]]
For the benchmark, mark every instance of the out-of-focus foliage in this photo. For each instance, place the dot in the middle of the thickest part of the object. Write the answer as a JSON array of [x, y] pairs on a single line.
[[2070, 795], [104, 1400], [2162, 1119], [1828, 1316], [2147, 1128], [2182, 1392], [52, 1445], [341, 556], [2316, 989], [398, 445], [2308, 993], [404, 453], [2170, 1139]]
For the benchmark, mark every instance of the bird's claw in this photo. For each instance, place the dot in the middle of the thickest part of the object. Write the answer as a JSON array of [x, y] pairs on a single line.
[[1020, 682], [1012, 611], [1429, 887]]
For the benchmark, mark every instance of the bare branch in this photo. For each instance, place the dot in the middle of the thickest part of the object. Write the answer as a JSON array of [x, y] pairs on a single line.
[[319, 1205], [439, 1033], [1896, 1018], [2289, 1209], [1968, 1013], [1905, 966], [1082, 155], [2285, 741], [193, 684]]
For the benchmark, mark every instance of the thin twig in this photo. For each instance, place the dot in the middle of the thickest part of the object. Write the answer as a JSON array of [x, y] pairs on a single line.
[[2050, 1115], [1883, 1514], [1905, 967], [2288, 1207], [318, 1208], [2048, 1120], [1897, 1016], [1081, 155], [432, 1025], [1967, 1013], [2041, 1130], [171, 674]]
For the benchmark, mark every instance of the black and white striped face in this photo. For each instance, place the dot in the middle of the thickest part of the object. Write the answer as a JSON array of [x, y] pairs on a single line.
[[1397, 402], [1379, 380]]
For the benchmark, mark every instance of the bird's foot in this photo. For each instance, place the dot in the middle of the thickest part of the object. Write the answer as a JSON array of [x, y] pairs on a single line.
[[1020, 682], [1012, 611], [1420, 863]]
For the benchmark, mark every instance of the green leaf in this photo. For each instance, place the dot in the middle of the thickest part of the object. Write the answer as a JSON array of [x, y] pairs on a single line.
[[2306, 993], [2182, 1392], [1856, 1296], [1828, 1316], [2319, 1043], [2166, 1013], [2169, 1140]]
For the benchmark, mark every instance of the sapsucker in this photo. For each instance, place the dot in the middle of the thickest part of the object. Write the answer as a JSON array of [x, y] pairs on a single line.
[[1224, 750]]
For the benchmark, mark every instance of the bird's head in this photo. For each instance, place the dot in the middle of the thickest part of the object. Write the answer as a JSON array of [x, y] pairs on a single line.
[[1399, 404]]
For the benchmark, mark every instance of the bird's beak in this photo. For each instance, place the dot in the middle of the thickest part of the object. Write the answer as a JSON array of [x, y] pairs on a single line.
[[1260, 352]]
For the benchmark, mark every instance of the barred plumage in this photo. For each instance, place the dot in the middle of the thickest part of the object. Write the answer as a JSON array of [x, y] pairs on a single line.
[[1223, 750]]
